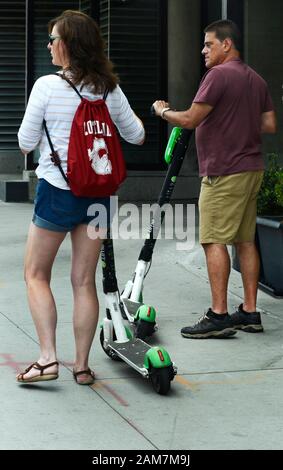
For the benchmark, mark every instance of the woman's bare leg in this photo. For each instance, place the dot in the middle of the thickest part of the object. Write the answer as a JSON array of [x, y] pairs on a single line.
[[42, 247], [86, 253]]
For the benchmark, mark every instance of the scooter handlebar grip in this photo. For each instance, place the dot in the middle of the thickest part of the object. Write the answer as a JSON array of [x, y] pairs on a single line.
[[152, 111]]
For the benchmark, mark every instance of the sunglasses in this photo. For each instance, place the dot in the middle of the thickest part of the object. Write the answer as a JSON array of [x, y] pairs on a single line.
[[52, 39]]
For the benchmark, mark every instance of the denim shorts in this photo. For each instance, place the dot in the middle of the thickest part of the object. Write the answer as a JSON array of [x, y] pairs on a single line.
[[60, 210]]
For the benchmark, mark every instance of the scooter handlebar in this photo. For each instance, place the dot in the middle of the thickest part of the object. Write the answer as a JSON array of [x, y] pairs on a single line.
[[152, 111]]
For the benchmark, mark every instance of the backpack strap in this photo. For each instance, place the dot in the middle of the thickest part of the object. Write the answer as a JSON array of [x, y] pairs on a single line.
[[54, 155], [76, 90], [105, 94], [70, 83]]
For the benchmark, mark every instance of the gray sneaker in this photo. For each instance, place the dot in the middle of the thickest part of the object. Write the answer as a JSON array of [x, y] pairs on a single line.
[[210, 327], [248, 322]]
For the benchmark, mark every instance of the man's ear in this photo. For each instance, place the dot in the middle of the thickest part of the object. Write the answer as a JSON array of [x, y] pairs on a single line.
[[227, 44]]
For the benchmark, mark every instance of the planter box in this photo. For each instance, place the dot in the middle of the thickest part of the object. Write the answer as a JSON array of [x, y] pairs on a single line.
[[269, 241]]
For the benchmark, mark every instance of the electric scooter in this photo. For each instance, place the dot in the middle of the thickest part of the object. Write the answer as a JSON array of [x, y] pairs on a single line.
[[117, 337], [132, 297], [128, 321]]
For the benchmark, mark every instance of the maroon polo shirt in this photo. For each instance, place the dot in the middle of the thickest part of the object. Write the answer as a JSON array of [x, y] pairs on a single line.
[[228, 140]]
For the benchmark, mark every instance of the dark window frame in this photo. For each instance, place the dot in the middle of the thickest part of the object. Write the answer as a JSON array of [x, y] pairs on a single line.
[[29, 163]]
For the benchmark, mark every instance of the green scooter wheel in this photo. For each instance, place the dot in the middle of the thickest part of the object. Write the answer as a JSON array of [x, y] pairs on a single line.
[[145, 321], [161, 379], [144, 329]]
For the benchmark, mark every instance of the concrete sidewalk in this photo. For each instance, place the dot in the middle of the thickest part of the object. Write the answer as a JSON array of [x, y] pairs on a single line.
[[227, 394]]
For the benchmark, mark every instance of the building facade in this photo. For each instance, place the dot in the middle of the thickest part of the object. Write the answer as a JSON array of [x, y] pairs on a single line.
[[156, 47]]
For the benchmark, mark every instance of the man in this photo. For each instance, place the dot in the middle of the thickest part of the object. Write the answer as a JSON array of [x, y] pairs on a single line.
[[230, 111]]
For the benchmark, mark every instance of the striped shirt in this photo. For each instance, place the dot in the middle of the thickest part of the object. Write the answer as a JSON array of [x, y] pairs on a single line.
[[54, 100]]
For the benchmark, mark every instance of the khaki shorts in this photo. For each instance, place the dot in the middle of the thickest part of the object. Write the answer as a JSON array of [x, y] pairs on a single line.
[[227, 207]]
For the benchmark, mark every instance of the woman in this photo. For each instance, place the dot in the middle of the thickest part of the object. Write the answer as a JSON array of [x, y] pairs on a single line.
[[75, 44]]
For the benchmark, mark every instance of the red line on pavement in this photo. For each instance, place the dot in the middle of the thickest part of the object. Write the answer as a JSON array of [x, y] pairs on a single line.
[[115, 394], [11, 363], [17, 366]]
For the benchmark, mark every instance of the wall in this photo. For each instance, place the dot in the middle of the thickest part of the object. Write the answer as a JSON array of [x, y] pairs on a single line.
[[184, 56], [12, 83], [263, 52]]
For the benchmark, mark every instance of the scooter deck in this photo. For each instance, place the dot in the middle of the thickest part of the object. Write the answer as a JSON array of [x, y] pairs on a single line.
[[131, 306], [132, 352]]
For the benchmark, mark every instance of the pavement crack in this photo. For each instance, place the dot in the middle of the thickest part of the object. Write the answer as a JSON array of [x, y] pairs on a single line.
[[124, 418], [211, 372], [18, 327], [272, 361]]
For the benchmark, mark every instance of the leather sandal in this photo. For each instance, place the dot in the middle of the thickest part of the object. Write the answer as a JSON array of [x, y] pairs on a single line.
[[90, 377], [41, 376]]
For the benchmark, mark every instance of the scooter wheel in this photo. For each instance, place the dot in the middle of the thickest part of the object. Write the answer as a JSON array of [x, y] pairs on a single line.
[[144, 329], [161, 379], [110, 353]]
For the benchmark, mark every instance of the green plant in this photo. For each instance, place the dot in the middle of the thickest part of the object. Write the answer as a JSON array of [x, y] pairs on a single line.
[[270, 198]]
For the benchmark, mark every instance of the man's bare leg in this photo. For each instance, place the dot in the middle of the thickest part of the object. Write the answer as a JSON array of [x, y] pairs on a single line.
[[218, 267]]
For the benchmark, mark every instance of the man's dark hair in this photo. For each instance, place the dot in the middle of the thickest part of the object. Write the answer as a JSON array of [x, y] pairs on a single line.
[[224, 29]]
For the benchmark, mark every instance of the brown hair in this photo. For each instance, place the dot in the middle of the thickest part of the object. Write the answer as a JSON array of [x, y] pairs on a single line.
[[224, 29], [85, 47]]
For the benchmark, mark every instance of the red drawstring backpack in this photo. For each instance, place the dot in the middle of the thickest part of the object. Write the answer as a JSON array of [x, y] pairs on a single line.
[[95, 165]]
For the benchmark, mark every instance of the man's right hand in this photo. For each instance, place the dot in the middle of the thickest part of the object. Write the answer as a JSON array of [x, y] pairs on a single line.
[[159, 105]]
